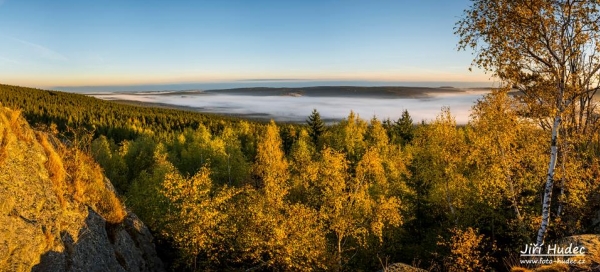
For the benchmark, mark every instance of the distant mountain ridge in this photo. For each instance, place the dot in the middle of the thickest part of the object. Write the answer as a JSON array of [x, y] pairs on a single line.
[[271, 83], [342, 91]]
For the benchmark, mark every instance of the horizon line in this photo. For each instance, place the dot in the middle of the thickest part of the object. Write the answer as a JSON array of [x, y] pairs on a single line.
[[275, 80]]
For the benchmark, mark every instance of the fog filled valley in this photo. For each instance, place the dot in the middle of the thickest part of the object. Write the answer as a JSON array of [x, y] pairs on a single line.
[[333, 103]]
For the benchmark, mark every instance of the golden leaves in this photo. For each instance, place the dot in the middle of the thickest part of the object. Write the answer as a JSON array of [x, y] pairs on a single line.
[[195, 211], [468, 251], [271, 166]]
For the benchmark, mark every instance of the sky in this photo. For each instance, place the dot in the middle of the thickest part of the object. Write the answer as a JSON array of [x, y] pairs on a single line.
[[132, 42]]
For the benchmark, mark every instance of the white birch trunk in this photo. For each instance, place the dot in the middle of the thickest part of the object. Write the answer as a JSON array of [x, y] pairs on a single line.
[[549, 181], [449, 201]]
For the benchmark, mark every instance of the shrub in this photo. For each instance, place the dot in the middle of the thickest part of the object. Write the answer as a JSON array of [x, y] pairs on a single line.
[[467, 251]]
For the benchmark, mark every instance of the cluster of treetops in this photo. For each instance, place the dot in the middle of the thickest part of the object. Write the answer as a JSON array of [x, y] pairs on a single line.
[[228, 194]]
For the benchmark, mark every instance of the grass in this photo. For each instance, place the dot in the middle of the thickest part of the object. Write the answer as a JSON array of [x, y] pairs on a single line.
[[75, 176], [11, 123], [55, 168], [4, 134], [557, 267], [3, 143], [89, 186], [49, 239], [19, 127], [111, 208]]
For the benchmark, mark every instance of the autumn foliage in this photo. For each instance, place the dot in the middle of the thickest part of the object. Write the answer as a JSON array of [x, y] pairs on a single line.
[[357, 195]]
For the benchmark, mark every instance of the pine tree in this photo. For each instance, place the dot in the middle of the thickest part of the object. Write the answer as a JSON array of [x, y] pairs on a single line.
[[404, 128], [316, 126]]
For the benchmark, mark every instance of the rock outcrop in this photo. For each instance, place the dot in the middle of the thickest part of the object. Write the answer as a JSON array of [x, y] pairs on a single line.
[[52, 219], [400, 267], [590, 261]]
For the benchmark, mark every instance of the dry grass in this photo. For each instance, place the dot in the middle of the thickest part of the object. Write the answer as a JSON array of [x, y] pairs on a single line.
[[85, 184], [19, 127], [520, 269], [4, 140], [111, 208], [543, 268], [553, 268], [14, 123], [78, 186], [7, 251], [88, 186], [55, 167], [3, 143], [49, 239], [77, 176]]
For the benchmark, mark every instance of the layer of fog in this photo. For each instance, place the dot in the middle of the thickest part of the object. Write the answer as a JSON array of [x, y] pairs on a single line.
[[296, 109]]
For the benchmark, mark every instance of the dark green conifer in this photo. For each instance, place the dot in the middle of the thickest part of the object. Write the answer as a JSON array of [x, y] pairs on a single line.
[[404, 127], [316, 126]]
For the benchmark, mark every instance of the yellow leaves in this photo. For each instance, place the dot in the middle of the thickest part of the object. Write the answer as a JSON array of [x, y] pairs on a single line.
[[440, 158], [349, 136], [502, 149], [271, 166], [377, 136], [303, 169], [181, 139], [387, 213], [332, 178], [467, 251], [195, 211], [355, 207], [288, 237], [370, 170]]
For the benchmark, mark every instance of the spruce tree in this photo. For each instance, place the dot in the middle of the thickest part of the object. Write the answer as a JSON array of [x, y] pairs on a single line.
[[316, 126], [404, 127]]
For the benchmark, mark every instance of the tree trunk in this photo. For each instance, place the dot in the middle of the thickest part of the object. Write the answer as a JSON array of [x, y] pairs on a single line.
[[229, 169], [511, 186], [561, 201], [449, 201], [339, 248], [549, 181]]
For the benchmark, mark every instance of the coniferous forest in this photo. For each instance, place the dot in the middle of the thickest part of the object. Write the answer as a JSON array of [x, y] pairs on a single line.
[[228, 194]]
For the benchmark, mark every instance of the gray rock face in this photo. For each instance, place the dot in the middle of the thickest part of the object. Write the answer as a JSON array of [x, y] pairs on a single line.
[[400, 267], [104, 247]]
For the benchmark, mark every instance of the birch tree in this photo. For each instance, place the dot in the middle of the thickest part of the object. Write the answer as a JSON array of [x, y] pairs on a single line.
[[270, 165], [547, 49]]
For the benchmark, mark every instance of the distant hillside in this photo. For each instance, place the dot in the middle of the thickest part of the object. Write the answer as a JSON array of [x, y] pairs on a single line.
[[342, 91], [115, 120], [57, 210]]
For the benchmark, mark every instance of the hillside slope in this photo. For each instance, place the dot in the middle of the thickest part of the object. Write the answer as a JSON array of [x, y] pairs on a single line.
[[58, 212]]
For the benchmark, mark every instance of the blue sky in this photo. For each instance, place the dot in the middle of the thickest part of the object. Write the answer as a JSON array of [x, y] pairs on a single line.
[[108, 42]]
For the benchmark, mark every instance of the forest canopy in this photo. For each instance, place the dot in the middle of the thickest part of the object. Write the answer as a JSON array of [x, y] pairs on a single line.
[[222, 193]]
